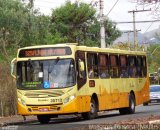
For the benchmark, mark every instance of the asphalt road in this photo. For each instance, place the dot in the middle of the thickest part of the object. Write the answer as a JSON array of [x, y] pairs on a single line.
[[68, 122]]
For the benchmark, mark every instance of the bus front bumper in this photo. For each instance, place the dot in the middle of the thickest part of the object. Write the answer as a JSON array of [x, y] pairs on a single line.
[[73, 106]]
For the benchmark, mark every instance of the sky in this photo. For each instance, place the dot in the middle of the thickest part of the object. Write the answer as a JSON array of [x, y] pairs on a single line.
[[118, 14]]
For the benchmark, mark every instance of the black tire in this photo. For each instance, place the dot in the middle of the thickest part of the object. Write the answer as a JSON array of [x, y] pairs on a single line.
[[43, 119], [93, 111], [131, 108], [123, 111], [132, 104], [145, 104]]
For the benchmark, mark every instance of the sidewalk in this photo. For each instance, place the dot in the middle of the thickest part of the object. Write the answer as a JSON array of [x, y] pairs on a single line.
[[16, 119]]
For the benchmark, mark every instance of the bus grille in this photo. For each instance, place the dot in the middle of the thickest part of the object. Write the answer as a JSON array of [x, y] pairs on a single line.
[[43, 94], [41, 108]]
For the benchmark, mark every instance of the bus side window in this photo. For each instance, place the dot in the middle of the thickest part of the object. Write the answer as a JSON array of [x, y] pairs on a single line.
[[92, 64], [132, 67], [139, 66], [123, 66], [114, 69], [144, 66], [103, 66], [81, 76]]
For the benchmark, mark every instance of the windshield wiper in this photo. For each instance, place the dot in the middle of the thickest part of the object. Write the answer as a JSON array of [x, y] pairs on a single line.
[[31, 65], [50, 68]]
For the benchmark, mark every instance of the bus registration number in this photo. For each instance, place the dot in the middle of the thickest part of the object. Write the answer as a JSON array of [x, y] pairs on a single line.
[[56, 100]]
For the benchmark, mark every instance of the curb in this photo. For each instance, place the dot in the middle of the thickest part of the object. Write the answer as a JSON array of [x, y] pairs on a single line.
[[154, 122], [16, 123]]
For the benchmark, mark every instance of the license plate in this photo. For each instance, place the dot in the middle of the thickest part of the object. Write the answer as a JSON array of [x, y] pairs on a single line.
[[43, 109]]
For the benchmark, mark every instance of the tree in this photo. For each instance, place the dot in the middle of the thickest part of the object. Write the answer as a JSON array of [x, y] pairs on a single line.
[[153, 4], [20, 27], [153, 57], [14, 20], [77, 22], [111, 32]]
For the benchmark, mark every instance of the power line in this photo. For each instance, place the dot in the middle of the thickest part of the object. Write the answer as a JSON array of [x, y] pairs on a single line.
[[148, 27], [44, 6], [44, 1], [147, 21], [134, 24], [112, 7]]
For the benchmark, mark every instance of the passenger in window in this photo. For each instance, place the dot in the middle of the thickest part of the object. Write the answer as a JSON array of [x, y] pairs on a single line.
[[132, 71], [91, 73], [114, 72], [139, 71], [81, 74], [103, 74], [124, 73]]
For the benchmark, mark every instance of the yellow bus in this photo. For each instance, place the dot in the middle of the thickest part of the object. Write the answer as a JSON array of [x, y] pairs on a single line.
[[68, 79]]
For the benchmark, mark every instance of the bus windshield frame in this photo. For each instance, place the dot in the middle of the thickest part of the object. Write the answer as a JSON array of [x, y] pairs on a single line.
[[46, 74]]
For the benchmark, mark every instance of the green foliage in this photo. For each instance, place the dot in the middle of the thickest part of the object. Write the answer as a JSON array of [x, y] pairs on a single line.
[[111, 32], [78, 22], [21, 26], [128, 46], [10, 26], [153, 57]]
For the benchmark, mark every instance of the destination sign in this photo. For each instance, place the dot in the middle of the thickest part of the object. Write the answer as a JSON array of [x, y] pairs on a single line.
[[43, 52]]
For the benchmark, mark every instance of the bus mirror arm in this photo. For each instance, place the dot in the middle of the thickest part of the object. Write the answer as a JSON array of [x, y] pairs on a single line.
[[12, 68]]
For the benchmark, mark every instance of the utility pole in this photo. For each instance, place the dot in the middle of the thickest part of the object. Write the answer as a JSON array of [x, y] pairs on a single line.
[[134, 26], [102, 29], [128, 32]]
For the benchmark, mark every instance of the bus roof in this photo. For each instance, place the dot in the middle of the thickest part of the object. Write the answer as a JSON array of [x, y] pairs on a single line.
[[90, 49]]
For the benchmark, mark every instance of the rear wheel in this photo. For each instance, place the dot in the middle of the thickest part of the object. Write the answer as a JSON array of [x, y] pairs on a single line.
[[93, 111], [43, 119], [131, 108], [132, 104]]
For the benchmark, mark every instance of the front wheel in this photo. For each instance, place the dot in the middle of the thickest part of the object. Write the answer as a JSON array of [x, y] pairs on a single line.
[[43, 119], [93, 111], [145, 104]]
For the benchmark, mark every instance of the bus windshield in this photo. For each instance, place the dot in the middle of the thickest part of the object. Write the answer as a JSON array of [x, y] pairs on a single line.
[[45, 74]]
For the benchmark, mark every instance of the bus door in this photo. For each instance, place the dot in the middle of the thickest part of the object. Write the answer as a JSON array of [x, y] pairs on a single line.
[[81, 81]]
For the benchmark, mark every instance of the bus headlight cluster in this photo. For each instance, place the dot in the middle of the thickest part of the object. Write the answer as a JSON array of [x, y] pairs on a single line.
[[22, 101], [68, 99]]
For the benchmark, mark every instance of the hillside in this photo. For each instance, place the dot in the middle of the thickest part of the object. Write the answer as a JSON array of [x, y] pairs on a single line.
[[147, 38]]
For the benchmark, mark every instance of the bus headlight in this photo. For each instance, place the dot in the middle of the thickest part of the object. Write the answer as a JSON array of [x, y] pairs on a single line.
[[68, 99], [22, 101]]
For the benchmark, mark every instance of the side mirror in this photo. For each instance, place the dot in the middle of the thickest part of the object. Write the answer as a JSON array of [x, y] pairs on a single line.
[[81, 65], [13, 72]]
